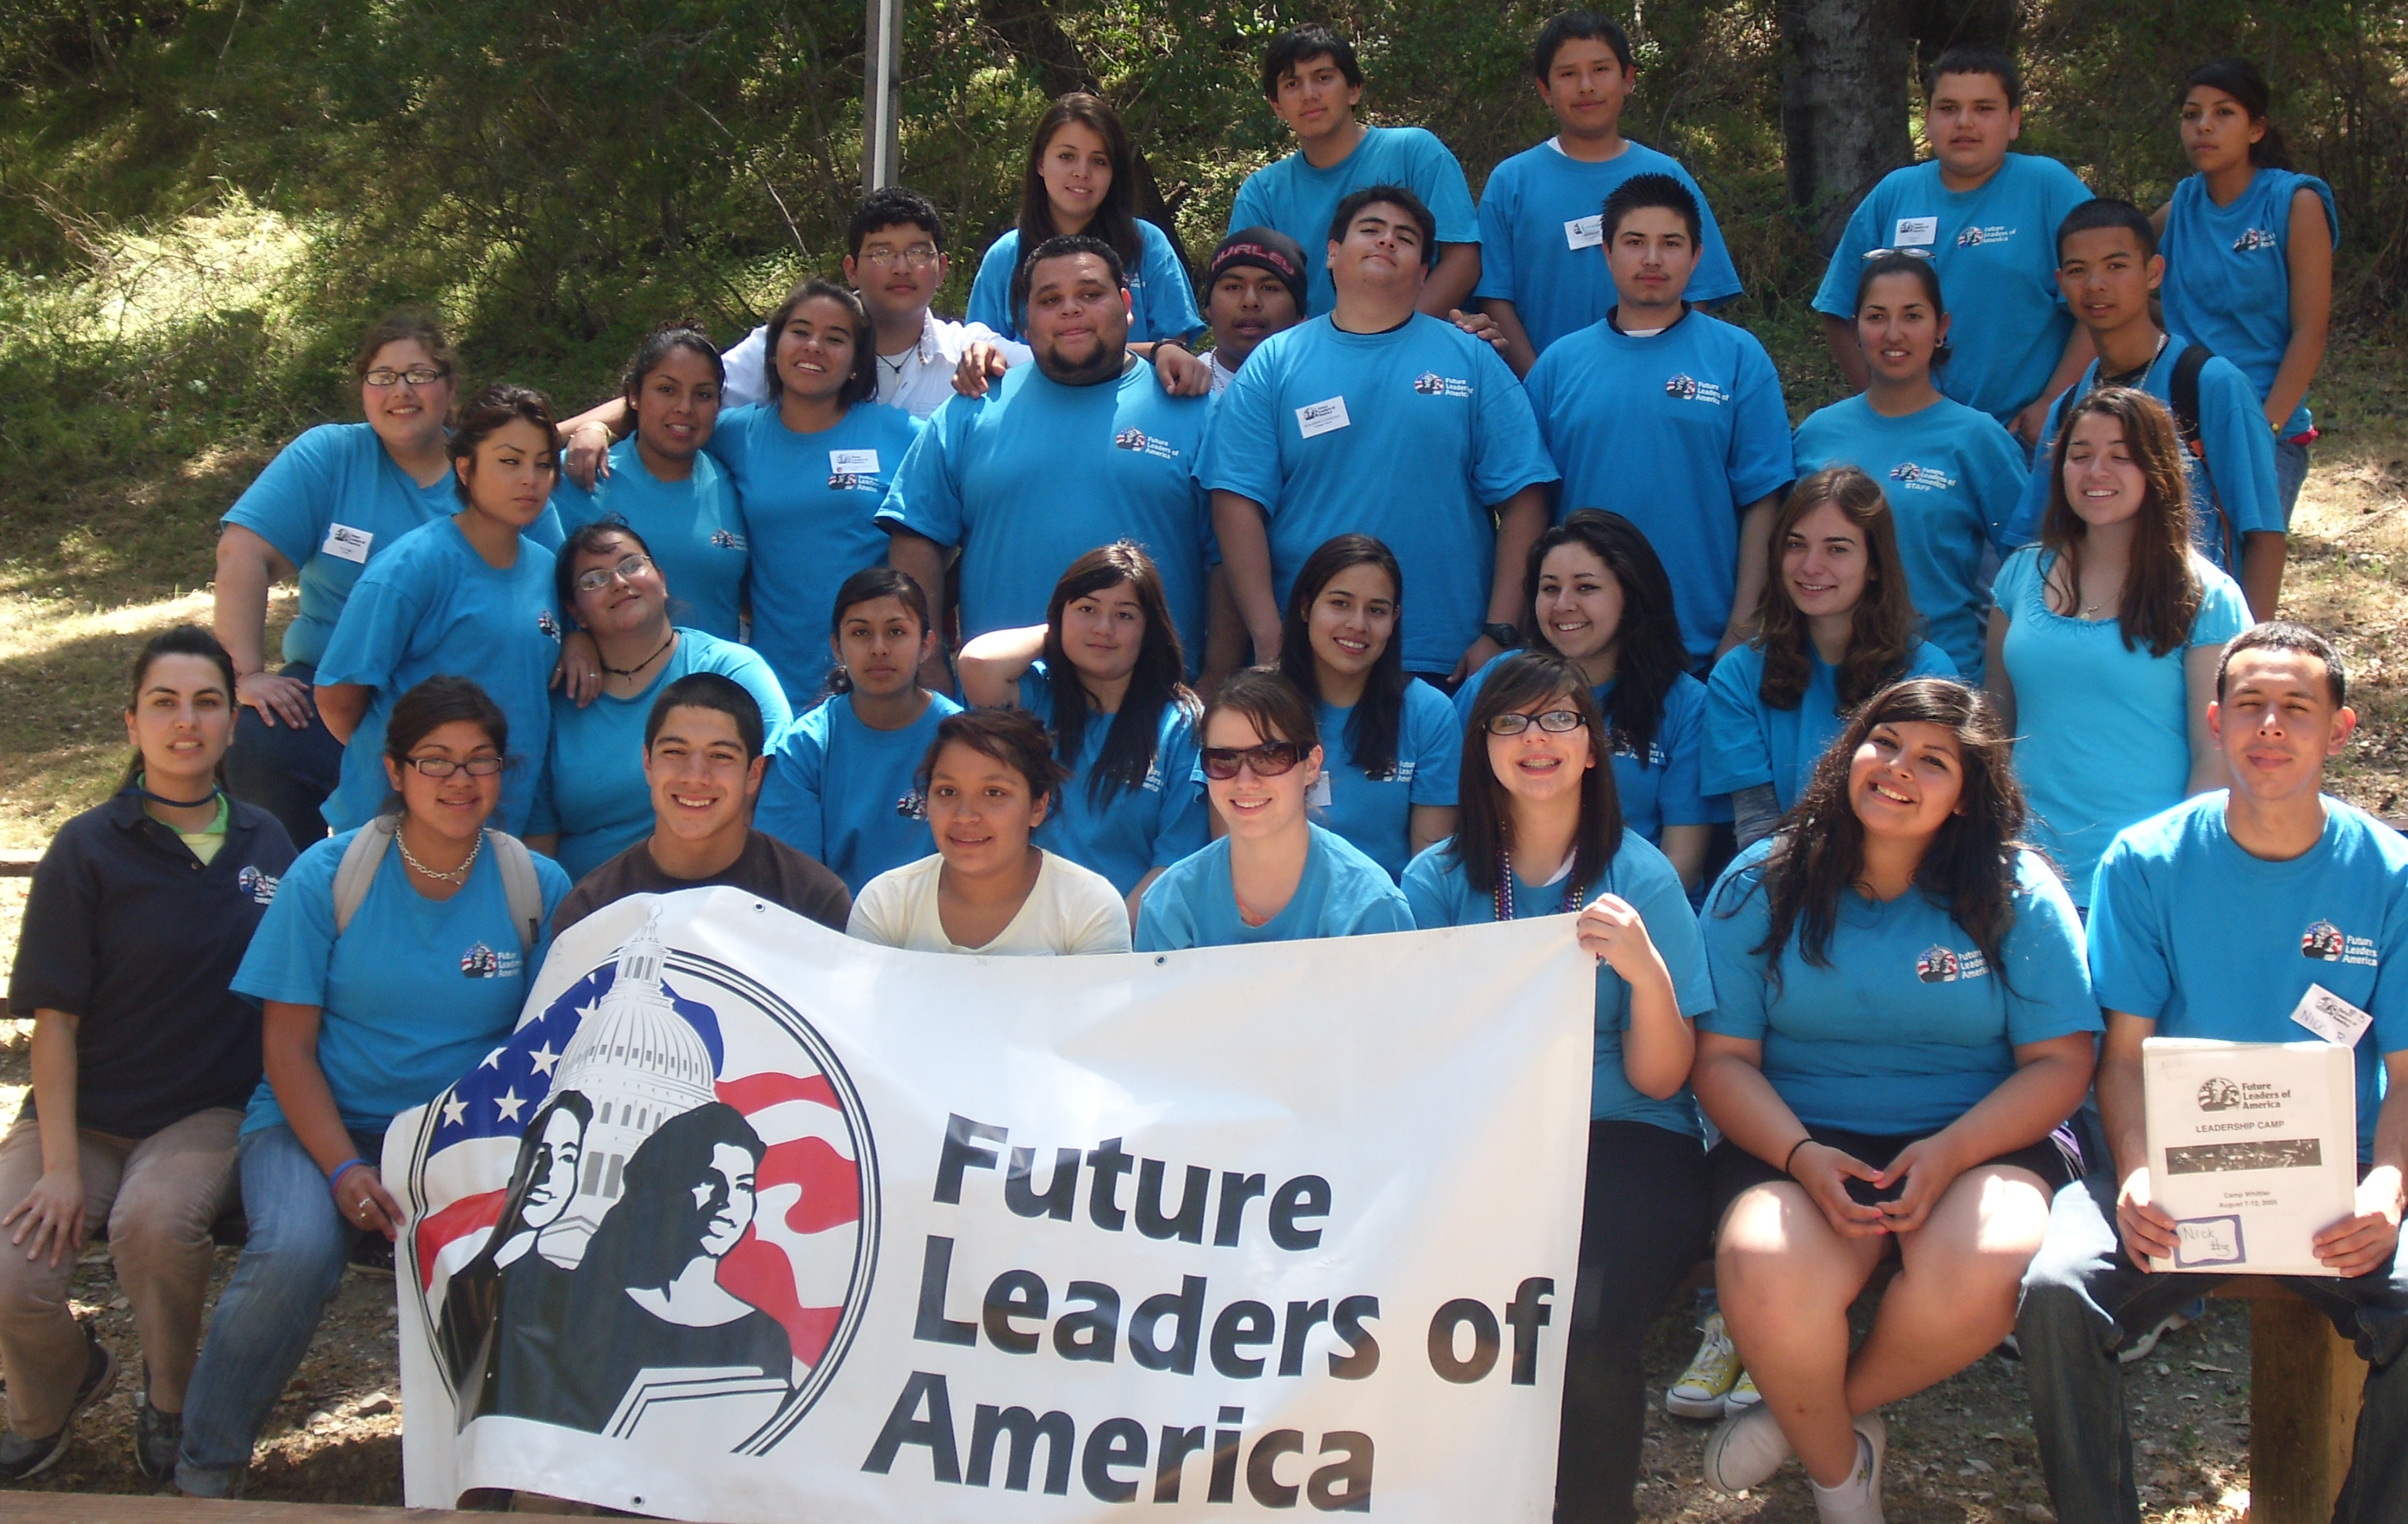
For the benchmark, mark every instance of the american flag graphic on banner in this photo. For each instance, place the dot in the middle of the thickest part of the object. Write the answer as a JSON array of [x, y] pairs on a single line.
[[622, 1053]]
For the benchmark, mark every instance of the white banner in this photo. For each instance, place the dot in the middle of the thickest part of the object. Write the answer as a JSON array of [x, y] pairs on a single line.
[[750, 1220]]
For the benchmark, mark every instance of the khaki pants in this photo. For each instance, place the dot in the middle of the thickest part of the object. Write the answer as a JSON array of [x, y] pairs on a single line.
[[158, 1197]]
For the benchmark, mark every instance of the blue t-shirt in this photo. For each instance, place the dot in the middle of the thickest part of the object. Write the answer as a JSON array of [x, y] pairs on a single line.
[[2167, 945], [810, 502], [1952, 476], [1161, 306], [1995, 248], [1749, 743], [2102, 732], [1034, 475], [593, 791], [411, 996], [331, 502], [431, 604], [848, 796], [1440, 895], [1910, 1026], [1375, 815], [1416, 433], [1663, 787], [1343, 893], [1131, 831], [2229, 272], [693, 530], [2231, 492], [1299, 200], [1675, 432], [1542, 238]]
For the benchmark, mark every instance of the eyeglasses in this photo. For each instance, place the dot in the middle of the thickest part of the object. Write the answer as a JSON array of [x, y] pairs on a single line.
[[385, 378], [628, 569], [1872, 254], [445, 766], [1555, 721], [917, 257], [1269, 759]]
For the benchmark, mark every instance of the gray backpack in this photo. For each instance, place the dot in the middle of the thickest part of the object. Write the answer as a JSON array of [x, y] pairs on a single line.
[[365, 854]]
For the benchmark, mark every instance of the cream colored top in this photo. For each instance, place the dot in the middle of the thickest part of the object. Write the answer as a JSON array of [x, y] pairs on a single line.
[[1070, 909]]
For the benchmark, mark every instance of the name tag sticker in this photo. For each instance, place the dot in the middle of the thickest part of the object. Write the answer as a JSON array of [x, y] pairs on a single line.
[[854, 463], [1916, 232], [1315, 419], [2332, 1017], [1585, 231], [349, 543], [1318, 795]]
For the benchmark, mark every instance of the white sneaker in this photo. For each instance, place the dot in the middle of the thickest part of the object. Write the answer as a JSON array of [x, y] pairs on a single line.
[[1701, 1391], [1857, 1499], [1745, 1451]]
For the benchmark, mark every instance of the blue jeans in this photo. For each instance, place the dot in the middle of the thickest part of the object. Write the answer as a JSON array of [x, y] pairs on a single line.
[[2290, 474], [2084, 1297], [292, 1265]]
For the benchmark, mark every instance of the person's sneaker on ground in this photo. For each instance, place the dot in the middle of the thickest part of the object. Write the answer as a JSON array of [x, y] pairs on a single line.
[[1745, 1451], [1857, 1499], [157, 1436], [2175, 1321], [1742, 1394], [1703, 1387], [22, 1459]]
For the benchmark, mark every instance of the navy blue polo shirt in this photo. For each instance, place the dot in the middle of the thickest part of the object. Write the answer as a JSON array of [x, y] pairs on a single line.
[[128, 931]]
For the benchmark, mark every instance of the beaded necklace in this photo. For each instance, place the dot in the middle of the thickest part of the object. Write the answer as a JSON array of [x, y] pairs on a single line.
[[1505, 889]]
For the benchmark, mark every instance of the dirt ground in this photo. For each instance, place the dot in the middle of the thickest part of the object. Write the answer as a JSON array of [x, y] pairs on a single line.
[[1960, 1453]]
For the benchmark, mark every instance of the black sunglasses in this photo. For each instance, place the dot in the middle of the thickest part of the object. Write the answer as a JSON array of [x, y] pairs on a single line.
[[1269, 759]]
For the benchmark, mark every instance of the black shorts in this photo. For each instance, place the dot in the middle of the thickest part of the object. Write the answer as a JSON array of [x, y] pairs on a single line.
[[2057, 1159]]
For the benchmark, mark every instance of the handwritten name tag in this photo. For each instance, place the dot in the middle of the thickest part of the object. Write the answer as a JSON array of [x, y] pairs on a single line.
[[1315, 419]]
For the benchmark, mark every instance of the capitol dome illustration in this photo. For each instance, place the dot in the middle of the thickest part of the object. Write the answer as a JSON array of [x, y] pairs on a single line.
[[641, 1064]]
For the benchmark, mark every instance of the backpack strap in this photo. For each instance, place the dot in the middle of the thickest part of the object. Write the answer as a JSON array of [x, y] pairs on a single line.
[[358, 869], [520, 886], [2183, 389]]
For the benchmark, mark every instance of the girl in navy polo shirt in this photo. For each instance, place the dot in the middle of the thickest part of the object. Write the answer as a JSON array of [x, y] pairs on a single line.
[[362, 1023], [1393, 744], [1902, 1017], [139, 914], [1103, 672], [1540, 833]]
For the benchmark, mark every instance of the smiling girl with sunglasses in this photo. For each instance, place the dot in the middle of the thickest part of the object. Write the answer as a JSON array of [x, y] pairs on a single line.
[[1540, 833], [1276, 877]]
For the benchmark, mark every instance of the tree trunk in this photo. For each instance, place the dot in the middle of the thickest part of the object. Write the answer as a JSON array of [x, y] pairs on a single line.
[[1027, 27], [1842, 105]]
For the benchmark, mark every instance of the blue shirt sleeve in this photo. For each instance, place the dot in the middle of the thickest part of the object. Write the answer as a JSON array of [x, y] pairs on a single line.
[[1761, 460], [926, 497], [1436, 743], [1169, 300], [2223, 611], [1508, 455], [1715, 278], [1184, 825], [289, 953], [1386, 912], [291, 503], [2240, 451], [2013, 583], [1241, 447], [1165, 920], [1248, 211], [1681, 799], [2048, 974], [1736, 754], [1439, 177], [1663, 905], [991, 291], [2130, 966], [371, 637], [747, 668], [2033, 505], [1837, 296], [1425, 889], [1737, 972], [1498, 206], [790, 807], [1998, 476], [731, 441]]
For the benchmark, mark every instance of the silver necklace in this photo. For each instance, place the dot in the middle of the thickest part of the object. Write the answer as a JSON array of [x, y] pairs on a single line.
[[456, 877]]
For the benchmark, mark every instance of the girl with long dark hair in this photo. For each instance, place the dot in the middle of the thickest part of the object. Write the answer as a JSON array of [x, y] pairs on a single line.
[[1392, 743], [1104, 674], [1953, 473], [1539, 832], [840, 785], [139, 918], [1901, 1020], [2249, 246], [1836, 626], [1081, 178], [2104, 637], [1600, 599]]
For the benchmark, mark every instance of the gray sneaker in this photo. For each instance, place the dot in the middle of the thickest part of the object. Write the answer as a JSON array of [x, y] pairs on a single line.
[[157, 1437], [22, 1459]]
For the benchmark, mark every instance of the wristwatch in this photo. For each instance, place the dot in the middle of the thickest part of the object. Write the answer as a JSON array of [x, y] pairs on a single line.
[[1504, 634]]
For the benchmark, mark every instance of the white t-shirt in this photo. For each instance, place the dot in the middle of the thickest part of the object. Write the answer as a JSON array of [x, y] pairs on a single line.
[[1070, 910], [918, 381], [1222, 374]]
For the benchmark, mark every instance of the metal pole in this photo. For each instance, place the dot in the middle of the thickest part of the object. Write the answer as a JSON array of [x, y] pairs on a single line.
[[881, 95]]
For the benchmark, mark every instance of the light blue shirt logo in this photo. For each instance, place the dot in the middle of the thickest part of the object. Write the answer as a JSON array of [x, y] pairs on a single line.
[[1687, 388], [726, 539], [1143, 443], [545, 622], [2327, 943], [2254, 240], [1942, 965], [482, 963], [1973, 238], [260, 886], [1430, 383], [1922, 478]]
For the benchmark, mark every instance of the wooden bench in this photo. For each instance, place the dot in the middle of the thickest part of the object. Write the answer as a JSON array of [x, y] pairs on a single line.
[[2305, 1385]]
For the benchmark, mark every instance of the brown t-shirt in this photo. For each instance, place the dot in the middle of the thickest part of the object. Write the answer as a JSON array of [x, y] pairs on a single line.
[[768, 868]]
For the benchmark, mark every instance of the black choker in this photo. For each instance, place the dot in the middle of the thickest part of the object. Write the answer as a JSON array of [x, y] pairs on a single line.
[[629, 672], [210, 798]]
